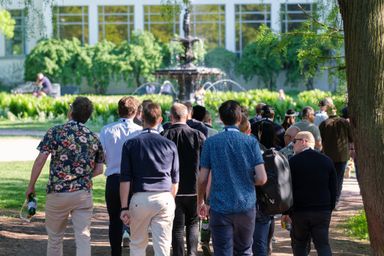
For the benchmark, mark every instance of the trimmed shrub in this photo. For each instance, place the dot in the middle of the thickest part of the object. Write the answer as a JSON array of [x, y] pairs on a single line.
[[24, 106]]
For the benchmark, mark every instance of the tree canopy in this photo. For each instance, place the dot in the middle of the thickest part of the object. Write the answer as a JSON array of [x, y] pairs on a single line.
[[7, 24], [262, 58]]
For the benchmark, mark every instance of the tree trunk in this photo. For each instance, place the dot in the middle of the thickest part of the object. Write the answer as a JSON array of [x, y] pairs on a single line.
[[309, 84], [364, 51], [137, 76]]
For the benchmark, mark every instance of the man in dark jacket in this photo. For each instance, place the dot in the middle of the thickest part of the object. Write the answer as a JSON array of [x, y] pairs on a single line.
[[189, 142], [337, 144], [314, 196]]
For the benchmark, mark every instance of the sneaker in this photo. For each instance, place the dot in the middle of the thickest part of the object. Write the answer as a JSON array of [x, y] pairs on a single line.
[[206, 249], [126, 239]]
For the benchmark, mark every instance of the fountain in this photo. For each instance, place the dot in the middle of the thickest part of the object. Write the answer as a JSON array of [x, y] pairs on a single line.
[[187, 74]]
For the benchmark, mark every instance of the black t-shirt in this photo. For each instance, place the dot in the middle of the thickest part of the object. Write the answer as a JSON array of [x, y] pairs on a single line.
[[279, 130], [189, 143]]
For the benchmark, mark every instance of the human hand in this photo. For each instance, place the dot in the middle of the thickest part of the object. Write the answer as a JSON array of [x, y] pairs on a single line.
[[203, 210], [286, 219], [30, 189], [125, 217]]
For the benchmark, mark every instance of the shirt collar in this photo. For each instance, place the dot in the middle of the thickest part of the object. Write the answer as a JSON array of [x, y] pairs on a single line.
[[231, 128], [126, 120], [74, 122], [149, 130]]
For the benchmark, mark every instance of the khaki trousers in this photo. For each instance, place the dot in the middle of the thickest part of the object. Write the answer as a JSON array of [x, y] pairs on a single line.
[[155, 210], [57, 210]]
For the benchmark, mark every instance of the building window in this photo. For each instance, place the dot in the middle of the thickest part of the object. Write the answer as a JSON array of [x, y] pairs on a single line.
[[162, 25], [16, 46], [116, 23], [249, 17], [208, 23], [71, 21], [292, 16]]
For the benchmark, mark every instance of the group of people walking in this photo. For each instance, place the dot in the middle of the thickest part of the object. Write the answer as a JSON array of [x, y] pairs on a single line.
[[165, 177]]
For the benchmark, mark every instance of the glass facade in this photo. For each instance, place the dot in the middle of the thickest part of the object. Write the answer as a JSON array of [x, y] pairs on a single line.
[[163, 23], [116, 23], [292, 16], [208, 23], [249, 17], [16, 46], [71, 21]]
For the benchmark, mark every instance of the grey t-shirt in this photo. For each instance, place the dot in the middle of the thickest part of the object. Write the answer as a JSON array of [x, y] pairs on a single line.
[[305, 125]]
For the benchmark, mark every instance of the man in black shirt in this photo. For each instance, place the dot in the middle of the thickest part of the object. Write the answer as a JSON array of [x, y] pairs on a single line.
[[189, 142], [268, 114], [314, 196], [193, 123], [150, 165]]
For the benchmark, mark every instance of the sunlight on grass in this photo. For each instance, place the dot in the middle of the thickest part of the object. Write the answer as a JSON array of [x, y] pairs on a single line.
[[37, 125], [14, 181], [357, 226]]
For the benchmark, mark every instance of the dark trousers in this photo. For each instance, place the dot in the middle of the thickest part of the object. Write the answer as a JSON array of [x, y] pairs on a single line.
[[261, 235], [112, 198], [185, 216], [307, 225], [232, 234], [340, 170]]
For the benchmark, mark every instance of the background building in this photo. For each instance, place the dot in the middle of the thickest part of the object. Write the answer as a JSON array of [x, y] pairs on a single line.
[[225, 23]]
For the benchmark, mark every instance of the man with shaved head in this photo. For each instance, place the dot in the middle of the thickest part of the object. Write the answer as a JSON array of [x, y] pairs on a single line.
[[189, 142], [314, 196]]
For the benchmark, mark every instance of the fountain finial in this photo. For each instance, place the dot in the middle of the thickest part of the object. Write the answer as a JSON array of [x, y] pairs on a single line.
[[187, 41]]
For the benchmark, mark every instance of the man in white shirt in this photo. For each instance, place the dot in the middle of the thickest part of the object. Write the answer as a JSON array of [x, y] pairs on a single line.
[[112, 137], [322, 114]]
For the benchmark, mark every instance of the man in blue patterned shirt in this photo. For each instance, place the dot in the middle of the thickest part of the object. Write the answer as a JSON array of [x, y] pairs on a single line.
[[76, 157], [236, 164]]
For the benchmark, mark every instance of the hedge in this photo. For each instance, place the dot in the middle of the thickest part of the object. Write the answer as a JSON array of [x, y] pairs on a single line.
[[27, 106]]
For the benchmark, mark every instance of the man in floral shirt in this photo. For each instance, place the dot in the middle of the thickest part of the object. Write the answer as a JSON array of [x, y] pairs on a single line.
[[76, 157]]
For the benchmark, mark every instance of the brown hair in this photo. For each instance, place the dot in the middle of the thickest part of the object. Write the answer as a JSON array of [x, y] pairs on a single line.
[[127, 106], [230, 112], [81, 109], [151, 113]]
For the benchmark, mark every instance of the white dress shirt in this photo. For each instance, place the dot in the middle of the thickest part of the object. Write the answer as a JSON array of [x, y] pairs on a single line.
[[112, 137]]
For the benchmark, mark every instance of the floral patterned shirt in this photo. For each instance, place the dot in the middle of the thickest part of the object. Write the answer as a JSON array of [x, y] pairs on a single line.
[[74, 150]]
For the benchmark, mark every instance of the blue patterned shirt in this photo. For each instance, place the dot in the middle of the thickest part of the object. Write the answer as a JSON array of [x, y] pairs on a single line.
[[231, 156]]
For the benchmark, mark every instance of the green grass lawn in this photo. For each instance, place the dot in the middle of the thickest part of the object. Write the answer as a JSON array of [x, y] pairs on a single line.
[[14, 181], [27, 125], [36, 125]]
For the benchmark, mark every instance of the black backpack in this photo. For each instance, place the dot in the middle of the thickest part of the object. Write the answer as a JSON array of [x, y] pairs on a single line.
[[275, 196]]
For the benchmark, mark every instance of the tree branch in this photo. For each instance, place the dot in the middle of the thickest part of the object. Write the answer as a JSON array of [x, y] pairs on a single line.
[[333, 34], [316, 21]]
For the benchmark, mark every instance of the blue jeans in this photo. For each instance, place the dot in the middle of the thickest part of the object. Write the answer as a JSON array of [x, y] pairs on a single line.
[[232, 234], [260, 235]]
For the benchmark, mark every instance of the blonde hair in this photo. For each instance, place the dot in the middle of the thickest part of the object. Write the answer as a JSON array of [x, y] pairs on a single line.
[[308, 136], [245, 125]]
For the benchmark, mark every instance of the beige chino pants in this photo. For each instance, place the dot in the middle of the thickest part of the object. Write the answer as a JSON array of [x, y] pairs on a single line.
[[57, 210], [155, 210]]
